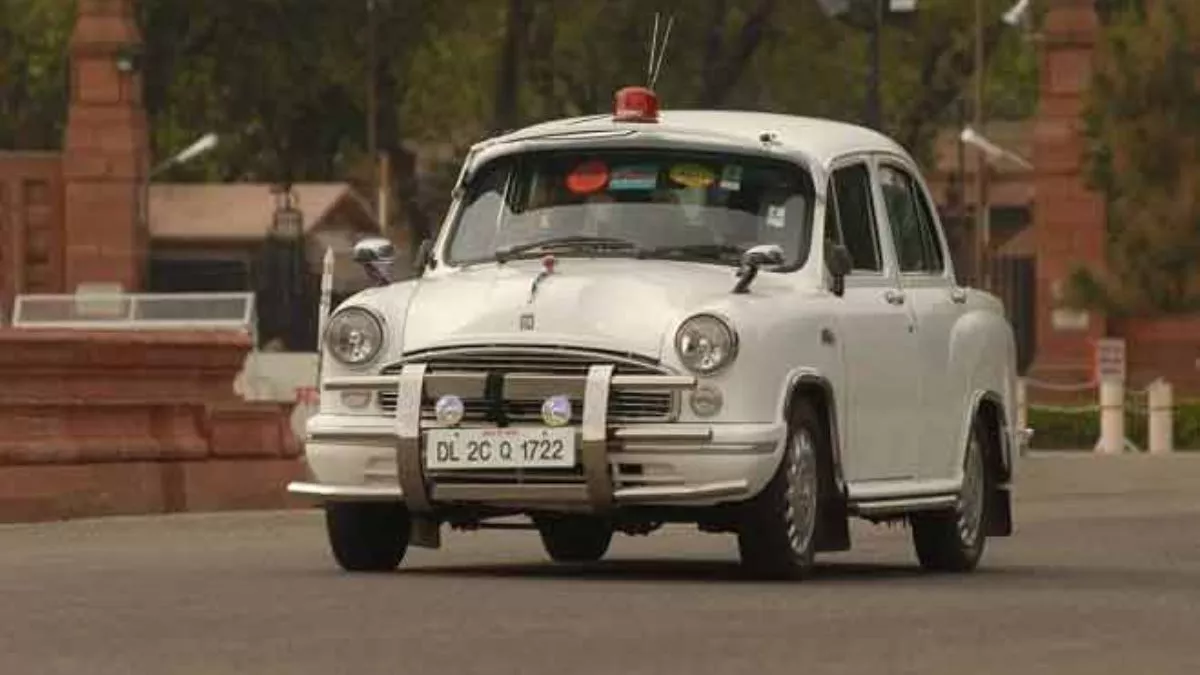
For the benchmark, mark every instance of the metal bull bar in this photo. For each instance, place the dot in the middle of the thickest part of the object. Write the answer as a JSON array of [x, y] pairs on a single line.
[[413, 384]]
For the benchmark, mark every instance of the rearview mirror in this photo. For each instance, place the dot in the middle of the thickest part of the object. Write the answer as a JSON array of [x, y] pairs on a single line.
[[840, 264], [376, 255]]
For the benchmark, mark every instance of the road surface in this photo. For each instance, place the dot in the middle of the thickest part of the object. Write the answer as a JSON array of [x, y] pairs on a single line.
[[1102, 577]]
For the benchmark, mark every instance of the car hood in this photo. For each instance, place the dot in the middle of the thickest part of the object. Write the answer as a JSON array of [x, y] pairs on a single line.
[[619, 304]]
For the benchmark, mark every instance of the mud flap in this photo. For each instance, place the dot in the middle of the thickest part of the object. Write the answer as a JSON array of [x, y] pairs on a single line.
[[426, 532], [1000, 522]]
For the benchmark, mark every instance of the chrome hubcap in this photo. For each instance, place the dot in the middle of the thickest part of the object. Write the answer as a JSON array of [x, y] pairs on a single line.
[[970, 505], [801, 490]]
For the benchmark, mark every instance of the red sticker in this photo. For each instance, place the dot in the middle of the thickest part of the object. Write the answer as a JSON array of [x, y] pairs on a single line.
[[588, 177]]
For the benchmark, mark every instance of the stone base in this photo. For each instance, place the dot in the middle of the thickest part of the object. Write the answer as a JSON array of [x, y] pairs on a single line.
[[35, 493], [96, 423]]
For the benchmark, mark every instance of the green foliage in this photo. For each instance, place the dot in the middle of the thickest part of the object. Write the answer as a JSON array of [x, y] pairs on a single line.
[[1144, 155], [33, 72], [285, 82], [1078, 429]]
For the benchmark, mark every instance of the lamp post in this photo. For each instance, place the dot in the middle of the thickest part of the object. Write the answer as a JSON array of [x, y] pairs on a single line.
[[1013, 16], [877, 11], [199, 147]]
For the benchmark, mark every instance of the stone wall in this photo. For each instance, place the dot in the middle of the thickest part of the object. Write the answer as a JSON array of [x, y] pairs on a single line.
[[1069, 219], [102, 423], [31, 220], [1168, 348]]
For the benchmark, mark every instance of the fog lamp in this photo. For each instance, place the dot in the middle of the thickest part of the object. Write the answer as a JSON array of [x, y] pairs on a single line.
[[449, 410], [556, 411], [706, 400], [356, 399]]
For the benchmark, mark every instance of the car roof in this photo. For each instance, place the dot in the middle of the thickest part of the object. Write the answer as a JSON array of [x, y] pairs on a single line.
[[822, 140]]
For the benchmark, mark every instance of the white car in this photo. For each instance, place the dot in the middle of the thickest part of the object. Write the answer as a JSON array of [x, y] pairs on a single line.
[[745, 321]]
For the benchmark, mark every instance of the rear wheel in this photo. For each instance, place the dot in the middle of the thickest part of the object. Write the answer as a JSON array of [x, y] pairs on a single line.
[[367, 536], [574, 538], [953, 541], [777, 537]]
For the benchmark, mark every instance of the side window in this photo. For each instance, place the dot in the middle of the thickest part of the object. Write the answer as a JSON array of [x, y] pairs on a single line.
[[856, 215], [917, 245]]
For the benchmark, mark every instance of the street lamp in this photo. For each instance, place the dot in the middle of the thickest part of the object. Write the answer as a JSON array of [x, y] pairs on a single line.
[[1012, 17], [993, 151], [202, 145], [838, 9]]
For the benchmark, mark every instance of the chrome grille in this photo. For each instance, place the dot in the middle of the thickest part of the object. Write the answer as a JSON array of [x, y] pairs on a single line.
[[623, 406]]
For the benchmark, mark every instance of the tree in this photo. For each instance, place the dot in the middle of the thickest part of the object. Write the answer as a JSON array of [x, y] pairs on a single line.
[[1144, 157], [33, 72]]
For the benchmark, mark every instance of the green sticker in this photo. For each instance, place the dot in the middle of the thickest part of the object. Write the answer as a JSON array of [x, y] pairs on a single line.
[[636, 177]]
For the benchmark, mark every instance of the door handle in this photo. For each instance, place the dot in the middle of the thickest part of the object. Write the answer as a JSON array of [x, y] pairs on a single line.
[[958, 295], [894, 297]]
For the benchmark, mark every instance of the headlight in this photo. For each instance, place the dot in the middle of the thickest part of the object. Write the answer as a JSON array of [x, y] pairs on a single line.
[[705, 344], [354, 336]]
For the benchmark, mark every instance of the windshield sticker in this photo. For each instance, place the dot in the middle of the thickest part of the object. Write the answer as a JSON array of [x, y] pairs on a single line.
[[731, 178], [692, 175], [588, 177], [637, 177], [776, 216]]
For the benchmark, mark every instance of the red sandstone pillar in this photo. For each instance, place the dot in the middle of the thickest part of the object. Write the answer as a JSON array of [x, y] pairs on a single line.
[[105, 150], [1068, 217]]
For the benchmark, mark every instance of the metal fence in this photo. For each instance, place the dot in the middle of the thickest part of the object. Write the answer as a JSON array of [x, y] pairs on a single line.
[[137, 311]]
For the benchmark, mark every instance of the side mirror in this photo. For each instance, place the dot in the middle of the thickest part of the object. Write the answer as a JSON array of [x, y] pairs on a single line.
[[763, 255], [755, 257], [376, 255], [840, 264]]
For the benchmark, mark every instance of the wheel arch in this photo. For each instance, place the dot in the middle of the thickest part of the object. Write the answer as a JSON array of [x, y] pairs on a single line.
[[833, 528], [813, 386], [988, 406]]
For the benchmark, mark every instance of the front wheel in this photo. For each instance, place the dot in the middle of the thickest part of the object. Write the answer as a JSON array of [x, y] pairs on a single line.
[[367, 536], [953, 541], [777, 537]]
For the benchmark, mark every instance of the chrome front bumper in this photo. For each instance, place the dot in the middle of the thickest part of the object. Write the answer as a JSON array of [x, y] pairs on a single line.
[[365, 458]]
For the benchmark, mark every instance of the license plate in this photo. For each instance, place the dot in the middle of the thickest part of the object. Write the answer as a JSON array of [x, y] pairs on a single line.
[[506, 448]]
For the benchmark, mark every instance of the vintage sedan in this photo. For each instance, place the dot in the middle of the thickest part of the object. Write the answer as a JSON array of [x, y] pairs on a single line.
[[744, 321]]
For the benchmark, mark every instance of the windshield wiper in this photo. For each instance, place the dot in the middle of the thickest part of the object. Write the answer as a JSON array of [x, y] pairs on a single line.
[[569, 242], [716, 251]]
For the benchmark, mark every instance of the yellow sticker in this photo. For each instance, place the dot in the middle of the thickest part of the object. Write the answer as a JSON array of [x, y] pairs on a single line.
[[692, 175]]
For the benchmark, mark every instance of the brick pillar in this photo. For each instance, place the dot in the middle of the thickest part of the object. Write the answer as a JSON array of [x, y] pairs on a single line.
[[1068, 217], [105, 150]]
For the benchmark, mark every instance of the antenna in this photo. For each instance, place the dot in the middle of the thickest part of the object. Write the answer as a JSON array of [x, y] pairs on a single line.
[[656, 59]]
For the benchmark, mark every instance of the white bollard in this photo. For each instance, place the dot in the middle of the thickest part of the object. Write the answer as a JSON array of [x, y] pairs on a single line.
[[1160, 433], [1112, 417]]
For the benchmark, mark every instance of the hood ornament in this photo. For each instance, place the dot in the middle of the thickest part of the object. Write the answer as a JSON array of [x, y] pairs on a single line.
[[548, 263], [527, 321]]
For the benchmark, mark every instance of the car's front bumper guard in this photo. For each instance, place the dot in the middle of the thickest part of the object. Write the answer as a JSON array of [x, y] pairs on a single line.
[[413, 384]]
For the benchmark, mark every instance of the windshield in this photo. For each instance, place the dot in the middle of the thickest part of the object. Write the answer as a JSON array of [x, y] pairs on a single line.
[[661, 203]]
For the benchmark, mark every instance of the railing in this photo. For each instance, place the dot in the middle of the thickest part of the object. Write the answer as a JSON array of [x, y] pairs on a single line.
[[136, 311]]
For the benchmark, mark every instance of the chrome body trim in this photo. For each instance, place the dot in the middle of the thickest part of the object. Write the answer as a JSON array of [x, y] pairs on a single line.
[[361, 493], [901, 505]]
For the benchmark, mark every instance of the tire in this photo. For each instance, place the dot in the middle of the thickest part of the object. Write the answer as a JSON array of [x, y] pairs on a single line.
[[574, 539], [953, 541], [778, 533], [367, 536]]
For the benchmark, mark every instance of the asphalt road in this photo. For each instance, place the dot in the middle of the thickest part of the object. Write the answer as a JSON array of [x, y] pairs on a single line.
[[1103, 576]]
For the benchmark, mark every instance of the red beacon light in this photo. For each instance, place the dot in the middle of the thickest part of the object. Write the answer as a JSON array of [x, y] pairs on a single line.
[[636, 104]]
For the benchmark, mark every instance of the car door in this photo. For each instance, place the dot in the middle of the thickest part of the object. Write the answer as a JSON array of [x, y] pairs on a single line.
[[927, 278], [876, 334]]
